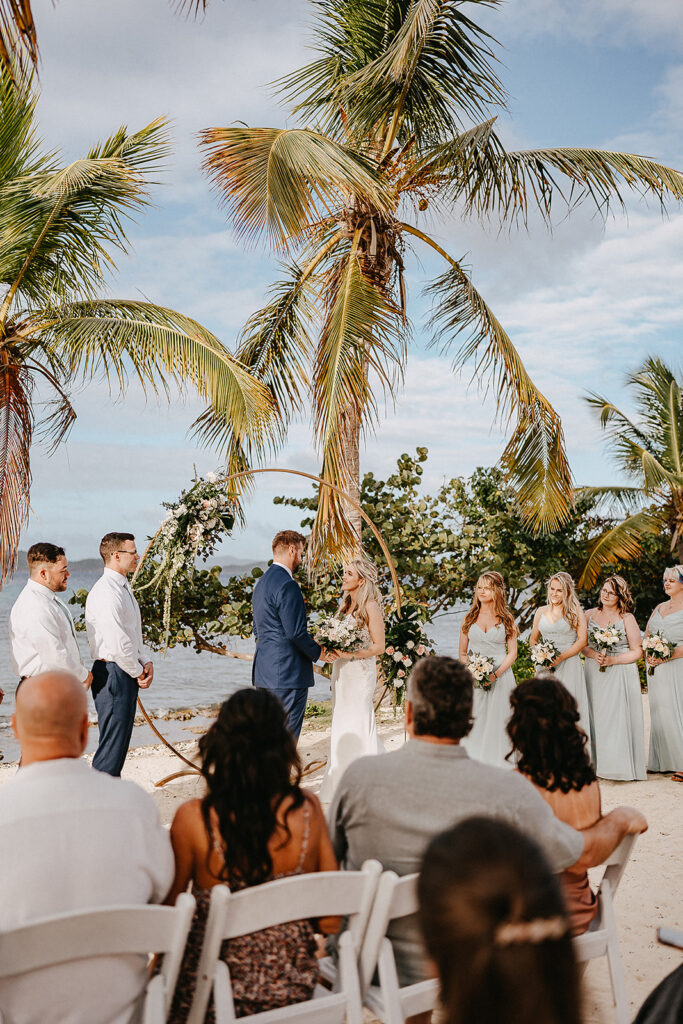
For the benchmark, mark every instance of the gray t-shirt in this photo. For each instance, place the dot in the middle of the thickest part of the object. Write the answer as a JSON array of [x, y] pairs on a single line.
[[389, 807]]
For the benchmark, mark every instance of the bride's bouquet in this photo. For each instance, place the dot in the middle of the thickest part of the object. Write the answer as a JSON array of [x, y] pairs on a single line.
[[544, 653], [482, 669], [604, 639], [337, 634], [657, 646]]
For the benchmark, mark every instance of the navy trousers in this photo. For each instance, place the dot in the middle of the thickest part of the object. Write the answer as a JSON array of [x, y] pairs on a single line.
[[115, 694], [294, 703]]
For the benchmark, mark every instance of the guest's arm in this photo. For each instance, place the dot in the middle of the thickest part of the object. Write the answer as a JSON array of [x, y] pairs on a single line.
[[601, 839], [182, 832], [376, 630], [635, 649], [293, 618], [325, 860]]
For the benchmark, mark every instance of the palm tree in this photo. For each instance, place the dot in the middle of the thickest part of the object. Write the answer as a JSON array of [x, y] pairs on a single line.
[[650, 452], [58, 227], [397, 115]]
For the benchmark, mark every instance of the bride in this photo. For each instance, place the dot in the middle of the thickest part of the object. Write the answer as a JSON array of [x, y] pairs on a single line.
[[354, 676]]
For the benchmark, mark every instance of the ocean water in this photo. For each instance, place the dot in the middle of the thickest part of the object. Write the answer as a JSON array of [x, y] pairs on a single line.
[[182, 678]]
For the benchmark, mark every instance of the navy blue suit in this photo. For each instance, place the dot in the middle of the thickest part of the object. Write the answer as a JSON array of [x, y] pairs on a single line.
[[285, 652]]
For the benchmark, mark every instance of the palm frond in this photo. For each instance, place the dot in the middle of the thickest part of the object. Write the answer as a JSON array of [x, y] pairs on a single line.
[[63, 224], [658, 396], [361, 337], [276, 343], [622, 543], [18, 38], [18, 140], [535, 458], [502, 183], [16, 431], [160, 346], [613, 495], [280, 181]]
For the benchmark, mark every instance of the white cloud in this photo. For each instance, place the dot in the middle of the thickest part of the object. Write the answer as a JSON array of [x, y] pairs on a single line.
[[611, 22]]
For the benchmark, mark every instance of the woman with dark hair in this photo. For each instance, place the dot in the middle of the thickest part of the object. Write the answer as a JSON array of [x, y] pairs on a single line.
[[551, 752], [489, 632], [613, 686], [254, 824], [494, 923]]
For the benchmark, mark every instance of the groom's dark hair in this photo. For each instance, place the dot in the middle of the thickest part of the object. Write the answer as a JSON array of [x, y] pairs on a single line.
[[111, 542], [440, 691], [286, 537]]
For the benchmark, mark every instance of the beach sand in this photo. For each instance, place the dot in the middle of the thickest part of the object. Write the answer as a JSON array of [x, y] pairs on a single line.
[[650, 893]]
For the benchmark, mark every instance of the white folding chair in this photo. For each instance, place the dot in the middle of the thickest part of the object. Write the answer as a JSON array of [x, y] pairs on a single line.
[[322, 894], [601, 939], [108, 931], [396, 897]]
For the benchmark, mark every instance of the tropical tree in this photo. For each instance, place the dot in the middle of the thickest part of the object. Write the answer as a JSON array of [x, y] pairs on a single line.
[[58, 228], [649, 450], [397, 114]]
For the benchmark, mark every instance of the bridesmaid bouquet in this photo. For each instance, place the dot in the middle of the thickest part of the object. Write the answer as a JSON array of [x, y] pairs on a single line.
[[544, 653], [482, 669], [604, 640], [657, 646], [337, 634]]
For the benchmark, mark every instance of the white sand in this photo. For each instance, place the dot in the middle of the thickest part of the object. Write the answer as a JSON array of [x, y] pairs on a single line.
[[650, 893]]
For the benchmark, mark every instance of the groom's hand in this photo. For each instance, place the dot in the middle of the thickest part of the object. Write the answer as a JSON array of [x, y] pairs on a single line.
[[328, 656]]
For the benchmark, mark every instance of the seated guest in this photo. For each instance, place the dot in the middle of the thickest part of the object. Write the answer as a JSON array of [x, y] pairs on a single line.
[[494, 924], [254, 824], [552, 754], [391, 807], [72, 839]]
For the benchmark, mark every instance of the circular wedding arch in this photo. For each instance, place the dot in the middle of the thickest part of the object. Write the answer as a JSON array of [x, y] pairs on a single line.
[[226, 479]]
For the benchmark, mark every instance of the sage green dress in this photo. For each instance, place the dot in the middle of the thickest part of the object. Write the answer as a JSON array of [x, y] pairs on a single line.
[[569, 672], [616, 715], [665, 692]]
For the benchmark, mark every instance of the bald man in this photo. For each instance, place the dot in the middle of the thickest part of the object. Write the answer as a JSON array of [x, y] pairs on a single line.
[[72, 838]]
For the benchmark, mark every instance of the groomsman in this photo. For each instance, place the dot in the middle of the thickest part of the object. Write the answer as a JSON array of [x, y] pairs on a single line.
[[41, 630], [122, 666]]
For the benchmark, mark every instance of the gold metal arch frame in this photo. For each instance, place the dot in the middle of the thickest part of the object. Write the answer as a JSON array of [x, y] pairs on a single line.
[[193, 769]]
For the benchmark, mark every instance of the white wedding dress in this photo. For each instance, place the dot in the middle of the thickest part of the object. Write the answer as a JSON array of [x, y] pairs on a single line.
[[354, 729]]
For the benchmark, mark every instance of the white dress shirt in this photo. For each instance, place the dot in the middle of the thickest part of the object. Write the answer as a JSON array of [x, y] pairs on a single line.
[[112, 618], [285, 567], [42, 635], [73, 838]]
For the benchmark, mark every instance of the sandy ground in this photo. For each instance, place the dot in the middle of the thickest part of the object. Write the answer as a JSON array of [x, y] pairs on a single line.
[[650, 894]]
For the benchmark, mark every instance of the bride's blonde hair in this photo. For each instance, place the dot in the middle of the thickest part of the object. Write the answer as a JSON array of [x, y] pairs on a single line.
[[367, 590], [571, 609]]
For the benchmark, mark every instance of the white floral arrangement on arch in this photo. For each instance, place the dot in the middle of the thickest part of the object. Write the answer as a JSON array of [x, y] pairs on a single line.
[[191, 529]]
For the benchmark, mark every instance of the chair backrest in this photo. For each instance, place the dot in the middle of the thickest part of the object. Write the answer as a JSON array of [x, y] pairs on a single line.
[[396, 897], [616, 863], [108, 931], [298, 897]]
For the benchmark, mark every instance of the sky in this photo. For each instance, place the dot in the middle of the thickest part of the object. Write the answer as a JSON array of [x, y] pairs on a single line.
[[584, 304]]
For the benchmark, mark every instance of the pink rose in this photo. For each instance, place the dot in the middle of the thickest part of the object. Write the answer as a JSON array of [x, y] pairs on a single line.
[[421, 649], [389, 650], [400, 673]]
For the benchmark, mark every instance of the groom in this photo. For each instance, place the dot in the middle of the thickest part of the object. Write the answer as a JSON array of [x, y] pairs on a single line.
[[285, 652]]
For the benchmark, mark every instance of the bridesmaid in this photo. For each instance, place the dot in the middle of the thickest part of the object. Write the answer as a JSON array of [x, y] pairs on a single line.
[[615, 700], [665, 686], [489, 629], [562, 622]]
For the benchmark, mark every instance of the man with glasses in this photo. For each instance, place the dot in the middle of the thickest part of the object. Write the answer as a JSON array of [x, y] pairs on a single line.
[[122, 666]]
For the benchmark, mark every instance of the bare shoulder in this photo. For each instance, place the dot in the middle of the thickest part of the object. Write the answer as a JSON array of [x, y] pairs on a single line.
[[188, 817]]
